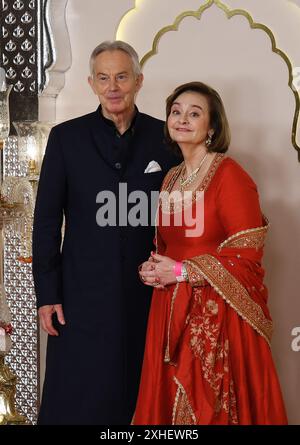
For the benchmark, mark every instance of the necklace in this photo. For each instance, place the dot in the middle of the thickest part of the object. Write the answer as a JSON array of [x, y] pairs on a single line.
[[191, 178]]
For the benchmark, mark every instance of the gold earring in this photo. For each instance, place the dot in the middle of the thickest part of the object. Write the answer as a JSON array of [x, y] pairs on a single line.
[[208, 140]]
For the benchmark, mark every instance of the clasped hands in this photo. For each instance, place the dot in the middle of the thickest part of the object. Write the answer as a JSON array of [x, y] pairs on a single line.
[[158, 271]]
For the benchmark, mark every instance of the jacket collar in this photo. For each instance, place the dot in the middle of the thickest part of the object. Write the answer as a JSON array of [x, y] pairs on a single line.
[[111, 125], [104, 132]]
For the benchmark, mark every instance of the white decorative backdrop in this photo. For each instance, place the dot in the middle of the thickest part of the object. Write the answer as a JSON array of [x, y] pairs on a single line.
[[254, 83]]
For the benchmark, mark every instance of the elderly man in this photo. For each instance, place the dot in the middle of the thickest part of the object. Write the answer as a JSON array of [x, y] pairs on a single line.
[[91, 302]]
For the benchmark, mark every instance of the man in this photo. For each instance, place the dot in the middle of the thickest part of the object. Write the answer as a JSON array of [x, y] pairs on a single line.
[[90, 299]]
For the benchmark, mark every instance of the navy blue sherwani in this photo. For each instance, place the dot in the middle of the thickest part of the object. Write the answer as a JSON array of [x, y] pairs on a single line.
[[93, 366]]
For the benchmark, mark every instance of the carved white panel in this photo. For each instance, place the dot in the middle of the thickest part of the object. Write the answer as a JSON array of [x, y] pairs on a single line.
[[277, 15], [57, 56], [60, 46]]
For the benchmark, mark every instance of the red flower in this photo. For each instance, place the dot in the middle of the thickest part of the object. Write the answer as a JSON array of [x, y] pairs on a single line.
[[7, 327]]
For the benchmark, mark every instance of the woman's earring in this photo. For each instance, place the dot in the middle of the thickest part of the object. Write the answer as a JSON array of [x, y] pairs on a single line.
[[208, 140]]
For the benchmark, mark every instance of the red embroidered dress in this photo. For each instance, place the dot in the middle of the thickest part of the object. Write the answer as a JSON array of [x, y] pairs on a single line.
[[207, 357]]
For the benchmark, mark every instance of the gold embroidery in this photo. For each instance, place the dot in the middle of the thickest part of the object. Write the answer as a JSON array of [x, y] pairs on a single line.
[[167, 351], [195, 277], [182, 410], [227, 402], [233, 293], [211, 172], [177, 201], [251, 238], [172, 176], [206, 344], [172, 173]]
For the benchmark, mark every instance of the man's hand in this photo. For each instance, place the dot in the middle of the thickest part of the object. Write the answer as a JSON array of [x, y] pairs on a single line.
[[45, 314]]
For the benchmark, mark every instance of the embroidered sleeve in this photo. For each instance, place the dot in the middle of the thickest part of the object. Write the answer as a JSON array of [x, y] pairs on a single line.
[[195, 277]]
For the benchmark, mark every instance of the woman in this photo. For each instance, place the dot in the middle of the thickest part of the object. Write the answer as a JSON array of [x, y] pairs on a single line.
[[207, 357]]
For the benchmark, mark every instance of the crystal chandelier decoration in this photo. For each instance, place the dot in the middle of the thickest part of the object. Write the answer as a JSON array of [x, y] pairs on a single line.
[[4, 108], [17, 201], [32, 137], [19, 193], [35, 53], [10, 211]]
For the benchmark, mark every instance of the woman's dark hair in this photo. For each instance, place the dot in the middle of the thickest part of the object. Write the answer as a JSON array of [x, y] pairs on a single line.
[[217, 116]]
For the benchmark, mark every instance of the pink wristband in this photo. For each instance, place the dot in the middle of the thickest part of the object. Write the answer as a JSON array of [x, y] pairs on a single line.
[[178, 269]]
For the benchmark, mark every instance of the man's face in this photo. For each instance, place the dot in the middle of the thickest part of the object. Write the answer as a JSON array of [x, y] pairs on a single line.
[[114, 82]]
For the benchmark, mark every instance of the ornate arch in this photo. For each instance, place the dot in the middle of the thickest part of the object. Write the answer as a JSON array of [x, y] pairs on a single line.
[[253, 25]]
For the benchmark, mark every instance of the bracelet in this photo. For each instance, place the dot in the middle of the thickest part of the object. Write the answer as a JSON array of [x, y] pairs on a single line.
[[180, 272], [178, 268], [184, 273]]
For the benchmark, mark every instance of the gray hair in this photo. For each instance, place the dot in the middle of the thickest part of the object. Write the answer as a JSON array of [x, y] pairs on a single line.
[[113, 46]]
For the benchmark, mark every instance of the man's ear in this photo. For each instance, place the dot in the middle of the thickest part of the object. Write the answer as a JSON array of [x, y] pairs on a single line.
[[91, 82], [139, 82]]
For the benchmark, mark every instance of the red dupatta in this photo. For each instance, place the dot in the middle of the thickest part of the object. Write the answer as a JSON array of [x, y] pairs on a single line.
[[207, 357]]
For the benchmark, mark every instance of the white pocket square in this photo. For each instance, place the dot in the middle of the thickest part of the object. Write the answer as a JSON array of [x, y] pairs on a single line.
[[152, 167]]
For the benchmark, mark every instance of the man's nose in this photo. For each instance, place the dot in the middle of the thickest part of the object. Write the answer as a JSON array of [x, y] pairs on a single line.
[[113, 84]]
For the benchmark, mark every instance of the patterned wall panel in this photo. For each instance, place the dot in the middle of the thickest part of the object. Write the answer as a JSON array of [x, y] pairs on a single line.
[[23, 358], [19, 44], [19, 54], [28, 53], [25, 53]]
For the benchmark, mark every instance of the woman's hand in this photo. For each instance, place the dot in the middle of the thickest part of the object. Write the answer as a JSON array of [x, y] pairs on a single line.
[[147, 273], [159, 272]]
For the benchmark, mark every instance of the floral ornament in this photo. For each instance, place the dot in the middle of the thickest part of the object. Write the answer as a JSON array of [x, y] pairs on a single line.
[[5, 328]]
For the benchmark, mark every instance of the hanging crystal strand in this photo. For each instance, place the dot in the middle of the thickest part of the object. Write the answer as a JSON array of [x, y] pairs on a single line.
[[23, 191], [9, 210], [22, 242], [8, 381], [27, 239], [4, 107], [20, 231], [5, 316]]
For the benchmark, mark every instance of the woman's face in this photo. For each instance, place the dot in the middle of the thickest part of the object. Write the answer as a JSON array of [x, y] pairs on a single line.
[[188, 122]]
